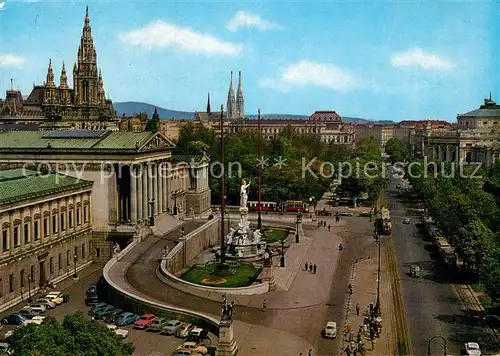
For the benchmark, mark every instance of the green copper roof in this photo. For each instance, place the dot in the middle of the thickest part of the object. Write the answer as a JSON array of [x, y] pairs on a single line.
[[19, 186], [37, 140]]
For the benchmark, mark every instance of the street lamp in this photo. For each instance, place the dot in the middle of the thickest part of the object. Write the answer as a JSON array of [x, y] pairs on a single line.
[[175, 193], [29, 288], [298, 221], [75, 258], [282, 261], [152, 210]]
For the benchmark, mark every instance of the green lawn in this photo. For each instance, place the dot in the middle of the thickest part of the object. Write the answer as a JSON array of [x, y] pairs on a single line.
[[274, 235], [243, 276]]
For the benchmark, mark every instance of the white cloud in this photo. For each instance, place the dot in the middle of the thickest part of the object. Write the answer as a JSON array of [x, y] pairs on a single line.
[[244, 19], [307, 73], [2, 3], [11, 60], [160, 34], [416, 57]]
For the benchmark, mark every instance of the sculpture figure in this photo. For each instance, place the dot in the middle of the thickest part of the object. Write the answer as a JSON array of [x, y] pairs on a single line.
[[244, 193], [116, 248], [257, 235]]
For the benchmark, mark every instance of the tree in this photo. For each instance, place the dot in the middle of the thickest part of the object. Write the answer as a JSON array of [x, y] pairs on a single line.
[[152, 125], [77, 336], [397, 150], [490, 273]]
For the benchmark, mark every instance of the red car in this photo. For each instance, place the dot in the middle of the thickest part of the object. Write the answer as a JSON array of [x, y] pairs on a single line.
[[145, 321]]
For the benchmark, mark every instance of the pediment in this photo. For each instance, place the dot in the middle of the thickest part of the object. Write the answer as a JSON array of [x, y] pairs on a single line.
[[158, 141]]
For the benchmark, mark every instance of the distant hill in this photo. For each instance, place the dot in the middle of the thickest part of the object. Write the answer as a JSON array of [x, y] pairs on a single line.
[[130, 108]]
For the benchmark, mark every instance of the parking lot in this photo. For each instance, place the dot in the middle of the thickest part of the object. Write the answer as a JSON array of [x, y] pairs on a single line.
[[146, 343]]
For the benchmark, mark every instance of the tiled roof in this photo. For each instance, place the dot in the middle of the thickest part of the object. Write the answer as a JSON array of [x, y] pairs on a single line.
[[36, 140], [188, 158], [483, 112], [20, 187], [19, 127], [16, 173]]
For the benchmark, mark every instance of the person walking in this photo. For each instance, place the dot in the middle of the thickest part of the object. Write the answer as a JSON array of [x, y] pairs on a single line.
[[307, 266], [310, 352], [264, 305], [314, 268], [357, 308], [310, 267], [350, 288], [329, 227]]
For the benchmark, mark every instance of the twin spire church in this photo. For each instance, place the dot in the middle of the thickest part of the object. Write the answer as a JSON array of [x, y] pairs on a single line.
[[235, 105]]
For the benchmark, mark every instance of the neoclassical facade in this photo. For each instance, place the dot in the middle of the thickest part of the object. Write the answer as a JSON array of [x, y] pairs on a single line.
[[84, 106], [476, 138], [46, 231], [134, 175]]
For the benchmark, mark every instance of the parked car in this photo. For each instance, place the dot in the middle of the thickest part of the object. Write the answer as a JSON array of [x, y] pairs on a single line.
[[14, 319], [345, 213], [182, 353], [415, 271], [28, 313], [119, 332], [193, 347], [55, 297], [184, 330], [472, 349], [92, 299], [198, 335], [157, 324], [92, 289], [145, 321], [330, 330], [47, 302], [65, 297], [39, 307], [101, 313], [171, 327], [35, 320], [111, 317], [96, 307], [366, 213], [126, 319]]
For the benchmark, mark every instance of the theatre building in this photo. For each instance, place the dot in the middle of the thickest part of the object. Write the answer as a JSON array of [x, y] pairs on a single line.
[[46, 231]]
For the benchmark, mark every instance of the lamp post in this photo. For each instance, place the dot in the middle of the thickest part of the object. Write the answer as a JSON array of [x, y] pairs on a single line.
[[75, 258], [445, 346], [29, 288], [282, 261], [175, 193], [298, 221], [259, 149], [152, 211], [183, 246]]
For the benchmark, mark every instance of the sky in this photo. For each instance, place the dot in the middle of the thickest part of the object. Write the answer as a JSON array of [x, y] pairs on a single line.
[[382, 60]]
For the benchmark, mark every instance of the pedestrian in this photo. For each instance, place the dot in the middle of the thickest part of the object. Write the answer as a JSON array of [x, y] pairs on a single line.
[[314, 268], [329, 227], [357, 308], [310, 267], [319, 223], [307, 266], [264, 305], [350, 288], [310, 352]]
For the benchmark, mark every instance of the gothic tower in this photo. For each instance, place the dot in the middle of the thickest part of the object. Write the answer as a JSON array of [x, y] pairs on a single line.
[[49, 95], [64, 95], [240, 102], [231, 104], [88, 87]]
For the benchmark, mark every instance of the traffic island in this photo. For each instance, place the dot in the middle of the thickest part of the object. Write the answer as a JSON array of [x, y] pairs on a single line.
[[243, 275]]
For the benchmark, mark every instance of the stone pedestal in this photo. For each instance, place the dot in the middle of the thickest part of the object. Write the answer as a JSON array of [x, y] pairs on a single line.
[[227, 345]]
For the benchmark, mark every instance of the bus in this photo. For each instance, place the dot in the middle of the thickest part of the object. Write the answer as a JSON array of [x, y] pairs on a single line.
[[264, 206], [383, 222], [295, 206]]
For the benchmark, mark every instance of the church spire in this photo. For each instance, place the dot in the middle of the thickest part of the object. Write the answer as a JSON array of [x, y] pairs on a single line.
[[208, 104], [230, 100], [240, 102], [50, 76], [63, 82]]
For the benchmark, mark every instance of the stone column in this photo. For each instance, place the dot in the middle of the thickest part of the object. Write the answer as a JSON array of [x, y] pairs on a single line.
[[161, 173], [139, 173], [440, 153], [168, 188], [150, 194], [227, 345], [133, 194], [145, 181], [155, 187]]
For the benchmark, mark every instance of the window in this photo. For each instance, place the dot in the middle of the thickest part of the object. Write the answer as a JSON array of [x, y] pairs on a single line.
[[85, 217], [45, 227], [70, 219], [97, 252], [62, 222], [485, 123], [5, 239], [22, 278], [83, 250], [77, 216], [76, 253], [67, 258], [16, 236], [36, 234], [11, 283], [59, 261], [51, 265], [26, 233], [90, 247], [54, 224]]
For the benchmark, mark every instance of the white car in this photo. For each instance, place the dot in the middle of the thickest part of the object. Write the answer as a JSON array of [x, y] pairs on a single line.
[[472, 349], [36, 320], [331, 330], [55, 297], [47, 302], [39, 307], [120, 332]]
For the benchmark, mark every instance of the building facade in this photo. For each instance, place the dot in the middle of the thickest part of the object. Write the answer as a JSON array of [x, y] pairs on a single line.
[[134, 175], [46, 231], [84, 106]]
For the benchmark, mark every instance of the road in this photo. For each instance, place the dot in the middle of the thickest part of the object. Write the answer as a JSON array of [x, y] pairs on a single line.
[[432, 307]]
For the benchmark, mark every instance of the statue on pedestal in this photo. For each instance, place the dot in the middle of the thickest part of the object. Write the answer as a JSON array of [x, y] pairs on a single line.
[[165, 252], [244, 193], [116, 249], [227, 310]]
